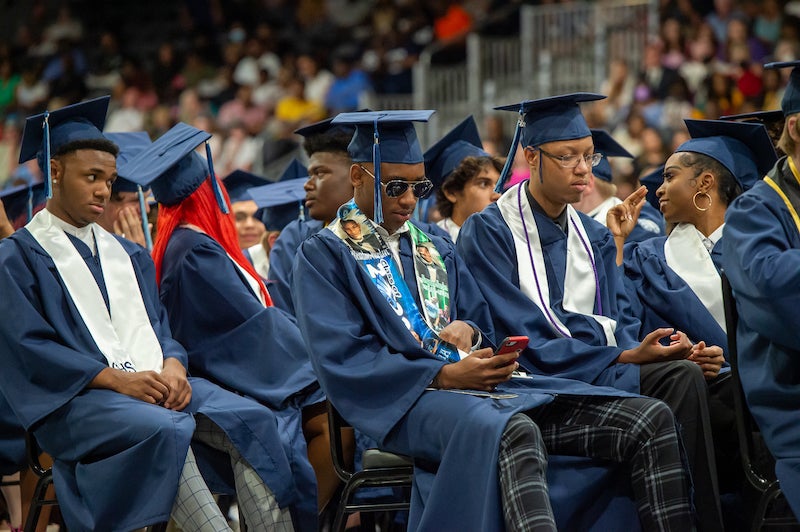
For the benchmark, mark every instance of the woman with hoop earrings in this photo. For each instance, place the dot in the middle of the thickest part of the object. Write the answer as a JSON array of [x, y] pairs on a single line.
[[674, 281]]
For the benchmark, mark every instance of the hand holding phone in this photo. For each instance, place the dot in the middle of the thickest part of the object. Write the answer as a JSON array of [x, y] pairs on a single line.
[[511, 344]]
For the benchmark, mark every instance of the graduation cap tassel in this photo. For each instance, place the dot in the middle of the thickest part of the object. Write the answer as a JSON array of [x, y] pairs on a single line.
[[223, 206], [29, 204], [302, 214], [505, 174], [145, 226], [48, 186], [376, 159]]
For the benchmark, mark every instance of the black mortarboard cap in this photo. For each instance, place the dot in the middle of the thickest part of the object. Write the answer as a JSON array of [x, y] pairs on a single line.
[[238, 182], [606, 144], [790, 104], [172, 168], [384, 136], [45, 133], [744, 148], [546, 120], [461, 142]]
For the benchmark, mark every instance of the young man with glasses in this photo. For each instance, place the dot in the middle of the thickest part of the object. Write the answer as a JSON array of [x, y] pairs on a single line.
[[389, 341], [550, 273]]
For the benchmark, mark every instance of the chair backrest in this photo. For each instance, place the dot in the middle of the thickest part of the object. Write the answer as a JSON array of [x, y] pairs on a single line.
[[758, 474]]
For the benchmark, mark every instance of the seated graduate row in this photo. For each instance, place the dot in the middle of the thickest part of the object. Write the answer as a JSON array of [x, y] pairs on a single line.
[[385, 317]]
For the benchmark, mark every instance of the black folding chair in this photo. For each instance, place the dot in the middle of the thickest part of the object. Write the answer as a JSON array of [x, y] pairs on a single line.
[[45, 480], [381, 469], [759, 467]]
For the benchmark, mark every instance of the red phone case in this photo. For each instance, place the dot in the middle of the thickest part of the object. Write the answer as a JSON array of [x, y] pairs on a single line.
[[511, 344]]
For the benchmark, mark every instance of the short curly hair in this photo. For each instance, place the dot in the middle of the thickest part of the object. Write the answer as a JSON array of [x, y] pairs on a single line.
[[458, 178], [334, 142]]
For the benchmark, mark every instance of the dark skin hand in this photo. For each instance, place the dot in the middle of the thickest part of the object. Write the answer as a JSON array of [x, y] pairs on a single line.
[[621, 219], [458, 333], [709, 358], [129, 225], [170, 388], [481, 370], [651, 350]]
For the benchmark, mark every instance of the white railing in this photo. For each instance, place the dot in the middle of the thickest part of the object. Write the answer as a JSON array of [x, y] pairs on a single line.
[[560, 48]]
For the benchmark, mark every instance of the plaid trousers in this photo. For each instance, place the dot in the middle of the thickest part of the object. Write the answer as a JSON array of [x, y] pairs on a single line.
[[638, 431]]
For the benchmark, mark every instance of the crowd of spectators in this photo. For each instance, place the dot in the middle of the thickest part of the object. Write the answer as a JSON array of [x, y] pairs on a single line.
[[705, 62], [251, 72]]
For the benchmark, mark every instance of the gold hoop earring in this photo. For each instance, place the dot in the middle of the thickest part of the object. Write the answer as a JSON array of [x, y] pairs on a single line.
[[694, 200]]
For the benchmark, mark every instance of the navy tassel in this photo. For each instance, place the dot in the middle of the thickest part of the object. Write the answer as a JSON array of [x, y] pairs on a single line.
[[376, 159], [223, 206], [48, 186], [145, 226], [505, 174]]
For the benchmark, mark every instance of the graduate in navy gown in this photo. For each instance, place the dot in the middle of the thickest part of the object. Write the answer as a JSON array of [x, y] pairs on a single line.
[[220, 310], [464, 174], [674, 281], [387, 339], [249, 227], [550, 273], [12, 441], [327, 188], [761, 257], [600, 194], [90, 367], [127, 208]]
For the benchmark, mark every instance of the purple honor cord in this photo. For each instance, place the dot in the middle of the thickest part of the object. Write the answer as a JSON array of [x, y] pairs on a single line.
[[546, 304]]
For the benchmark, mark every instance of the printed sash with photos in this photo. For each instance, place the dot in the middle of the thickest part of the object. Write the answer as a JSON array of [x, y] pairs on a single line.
[[375, 258]]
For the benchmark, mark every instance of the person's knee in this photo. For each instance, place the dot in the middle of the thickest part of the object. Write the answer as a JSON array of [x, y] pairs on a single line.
[[689, 370], [519, 429], [159, 423], [660, 416]]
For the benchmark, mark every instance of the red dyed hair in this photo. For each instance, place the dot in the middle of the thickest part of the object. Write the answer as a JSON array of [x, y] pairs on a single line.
[[201, 209]]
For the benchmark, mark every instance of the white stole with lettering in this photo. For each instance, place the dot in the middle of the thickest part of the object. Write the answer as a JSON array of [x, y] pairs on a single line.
[[124, 333]]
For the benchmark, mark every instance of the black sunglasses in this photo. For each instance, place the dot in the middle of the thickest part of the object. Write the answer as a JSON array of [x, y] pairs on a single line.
[[397, 187]]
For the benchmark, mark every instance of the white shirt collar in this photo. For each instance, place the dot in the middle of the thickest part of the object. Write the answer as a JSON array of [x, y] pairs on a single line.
[[711, 240], [393, 241], [84, 234]]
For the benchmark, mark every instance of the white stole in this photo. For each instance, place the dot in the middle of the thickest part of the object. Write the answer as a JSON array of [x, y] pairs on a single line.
[[451, 227], [251, 281], [689, 258], [580, 277], [123, 331]]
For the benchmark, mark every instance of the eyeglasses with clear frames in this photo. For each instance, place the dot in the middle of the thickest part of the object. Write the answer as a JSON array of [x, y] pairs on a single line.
[[397, 187], [572, 161]]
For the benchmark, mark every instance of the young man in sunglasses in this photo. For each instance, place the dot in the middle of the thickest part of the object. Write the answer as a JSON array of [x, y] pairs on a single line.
[[390, 342], [328, 188], [550, 273]]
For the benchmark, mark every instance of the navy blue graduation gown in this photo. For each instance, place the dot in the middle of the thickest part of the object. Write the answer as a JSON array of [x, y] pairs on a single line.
[[281, 259], [487, 246], [12, 441], [109, 475], [376, 374], [233, 340], [661, 298], [761, 257]]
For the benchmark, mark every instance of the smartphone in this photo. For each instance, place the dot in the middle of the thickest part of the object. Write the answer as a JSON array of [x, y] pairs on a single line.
[[511, 344]]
